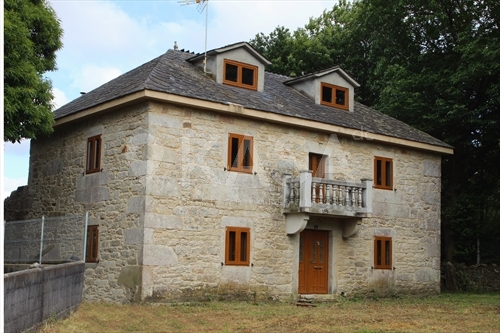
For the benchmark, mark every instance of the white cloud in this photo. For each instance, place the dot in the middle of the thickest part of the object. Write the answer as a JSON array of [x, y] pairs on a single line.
[[91, 77], [10, 185], [242, 20], [102, 33], [59, 98], [95, 28]]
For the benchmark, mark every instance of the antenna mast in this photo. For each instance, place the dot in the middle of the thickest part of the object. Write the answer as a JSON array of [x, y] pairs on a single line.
[[200, 6]]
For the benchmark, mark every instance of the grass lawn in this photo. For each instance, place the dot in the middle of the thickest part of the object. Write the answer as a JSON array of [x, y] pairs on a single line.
[[445, 313]]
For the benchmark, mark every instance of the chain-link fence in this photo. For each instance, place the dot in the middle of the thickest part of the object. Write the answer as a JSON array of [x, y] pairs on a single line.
[[45, 240]]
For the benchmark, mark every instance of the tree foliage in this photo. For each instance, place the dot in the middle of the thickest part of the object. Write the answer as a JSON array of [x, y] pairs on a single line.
[[32, 35], [434, 64]]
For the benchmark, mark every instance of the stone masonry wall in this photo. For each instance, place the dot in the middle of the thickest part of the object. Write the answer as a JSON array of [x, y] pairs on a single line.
[[188, 153], [164, 198], [57, 174], [410, 214], [191, 199]]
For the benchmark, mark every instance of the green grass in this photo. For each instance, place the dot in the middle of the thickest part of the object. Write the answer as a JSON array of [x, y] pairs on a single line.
[[444, 313]]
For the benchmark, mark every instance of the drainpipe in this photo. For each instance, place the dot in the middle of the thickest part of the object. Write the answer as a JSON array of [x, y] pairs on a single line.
[[85, 237]]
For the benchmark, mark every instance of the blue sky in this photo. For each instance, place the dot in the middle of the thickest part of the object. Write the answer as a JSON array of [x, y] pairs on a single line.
[[104, 39]]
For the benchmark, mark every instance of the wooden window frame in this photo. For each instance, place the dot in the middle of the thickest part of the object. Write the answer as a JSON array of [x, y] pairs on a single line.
[[383, 258], [383, 173], [239, 83], [334, 94], [240, 154], [235, 257], [92, 254], [93, 158]]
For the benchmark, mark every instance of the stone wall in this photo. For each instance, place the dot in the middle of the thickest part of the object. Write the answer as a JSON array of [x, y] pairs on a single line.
[[35, 295], [18, 204], [188, 156], [475, 278], [57, 173], [164, 198]]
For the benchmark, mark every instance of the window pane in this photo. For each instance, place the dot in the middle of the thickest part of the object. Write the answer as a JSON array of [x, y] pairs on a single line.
[[378, 175], [96, 154], [387, 173], [246, 154], [231, 73], [340, 97], [387, 253], [313, 254], [379, 252], [234, 152], [94, 243], [247, 76], [243, 246], [232, 246], [321, 244], [89, 155], [327, 94]]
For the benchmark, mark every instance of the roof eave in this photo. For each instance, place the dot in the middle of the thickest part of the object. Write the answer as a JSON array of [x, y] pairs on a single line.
[[239, 110]]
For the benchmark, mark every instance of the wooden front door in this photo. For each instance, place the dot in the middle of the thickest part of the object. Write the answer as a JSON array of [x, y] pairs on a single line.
[[313, 262]]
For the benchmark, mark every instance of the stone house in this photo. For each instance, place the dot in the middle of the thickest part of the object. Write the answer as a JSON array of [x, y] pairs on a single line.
[[208, 177]]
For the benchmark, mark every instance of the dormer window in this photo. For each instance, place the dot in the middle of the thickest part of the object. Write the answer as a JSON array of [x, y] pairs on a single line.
[[335, 96], [240, 75]]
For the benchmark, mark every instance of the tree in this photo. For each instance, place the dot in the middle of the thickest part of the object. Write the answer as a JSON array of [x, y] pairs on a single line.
[[434, 64], [450, 90], [32, 35]]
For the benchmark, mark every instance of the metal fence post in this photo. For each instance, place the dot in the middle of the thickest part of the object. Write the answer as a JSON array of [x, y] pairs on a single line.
[[41, 240], [85, 237]]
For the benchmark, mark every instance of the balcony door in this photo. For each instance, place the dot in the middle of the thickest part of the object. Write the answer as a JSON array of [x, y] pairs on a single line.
[[317, 164], [313, 262]]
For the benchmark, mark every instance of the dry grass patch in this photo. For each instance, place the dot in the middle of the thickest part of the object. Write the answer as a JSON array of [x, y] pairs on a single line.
[[444, 313]]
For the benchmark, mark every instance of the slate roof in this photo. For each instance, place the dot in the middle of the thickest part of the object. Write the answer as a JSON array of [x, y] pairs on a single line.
[[171, 73]]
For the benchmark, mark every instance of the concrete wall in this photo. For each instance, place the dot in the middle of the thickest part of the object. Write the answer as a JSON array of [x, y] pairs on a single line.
[[164, 198], [35, 295]]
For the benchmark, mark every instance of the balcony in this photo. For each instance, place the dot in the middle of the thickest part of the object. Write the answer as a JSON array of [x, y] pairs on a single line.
[[306, 196]]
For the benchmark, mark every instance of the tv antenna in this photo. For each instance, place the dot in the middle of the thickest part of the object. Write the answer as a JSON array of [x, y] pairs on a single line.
[[201, 5]]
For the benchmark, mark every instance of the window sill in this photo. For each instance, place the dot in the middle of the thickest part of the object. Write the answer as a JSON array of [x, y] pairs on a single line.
[[241, 171], [239, 85], [383, 188], [91, 264]]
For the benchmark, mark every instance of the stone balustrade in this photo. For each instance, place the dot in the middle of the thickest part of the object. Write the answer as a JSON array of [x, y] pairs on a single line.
[[326, 196]]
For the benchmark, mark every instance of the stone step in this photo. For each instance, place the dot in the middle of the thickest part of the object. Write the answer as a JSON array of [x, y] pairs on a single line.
[[305, 304]]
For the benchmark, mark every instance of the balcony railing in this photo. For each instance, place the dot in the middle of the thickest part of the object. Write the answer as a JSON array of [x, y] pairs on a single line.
[[306, 194]]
